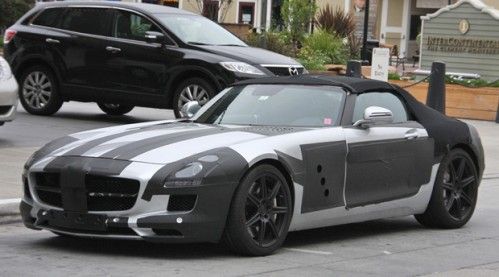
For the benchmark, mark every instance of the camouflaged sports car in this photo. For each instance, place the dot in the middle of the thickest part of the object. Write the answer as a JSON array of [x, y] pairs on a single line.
[[262, 158]]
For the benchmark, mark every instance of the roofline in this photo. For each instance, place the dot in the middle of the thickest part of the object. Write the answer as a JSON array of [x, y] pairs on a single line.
[[479, 5], [141, 7]]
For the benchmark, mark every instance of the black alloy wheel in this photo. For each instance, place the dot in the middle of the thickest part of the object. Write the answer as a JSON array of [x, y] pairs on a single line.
[[261, 213], [455, 192]]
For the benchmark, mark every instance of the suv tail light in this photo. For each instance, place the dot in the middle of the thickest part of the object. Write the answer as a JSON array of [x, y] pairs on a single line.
[[9, 35]]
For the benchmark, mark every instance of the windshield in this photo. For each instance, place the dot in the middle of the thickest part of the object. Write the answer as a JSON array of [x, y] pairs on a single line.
[[276, 105], [199, 30]]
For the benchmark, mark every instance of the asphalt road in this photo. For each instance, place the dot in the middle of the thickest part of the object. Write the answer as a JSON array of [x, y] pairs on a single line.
[[398, 247]]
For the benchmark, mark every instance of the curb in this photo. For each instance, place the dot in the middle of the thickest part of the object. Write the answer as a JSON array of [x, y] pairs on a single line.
[[9, 207]]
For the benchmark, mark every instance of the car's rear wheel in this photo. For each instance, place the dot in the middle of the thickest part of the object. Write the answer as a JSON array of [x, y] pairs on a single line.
[[115, 109], [455, 192], [192, 89], [260, 213], [39, 93]]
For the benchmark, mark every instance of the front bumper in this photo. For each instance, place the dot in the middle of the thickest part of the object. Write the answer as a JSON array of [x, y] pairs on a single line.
[[8, 99], [149, 219]]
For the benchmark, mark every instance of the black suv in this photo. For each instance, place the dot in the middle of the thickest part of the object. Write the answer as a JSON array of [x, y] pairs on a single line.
[[122, 55]]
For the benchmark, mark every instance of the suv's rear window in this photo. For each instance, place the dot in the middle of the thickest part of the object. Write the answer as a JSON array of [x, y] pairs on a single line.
[[94, 21], [49, 17]]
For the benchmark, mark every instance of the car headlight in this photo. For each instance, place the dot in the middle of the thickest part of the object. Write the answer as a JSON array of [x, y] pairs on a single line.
[[241, 68], [5, 72], [187, 176]]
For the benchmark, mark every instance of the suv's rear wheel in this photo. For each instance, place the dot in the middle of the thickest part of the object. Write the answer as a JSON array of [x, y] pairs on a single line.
[[39, 93], [115, 109], [192, 89]]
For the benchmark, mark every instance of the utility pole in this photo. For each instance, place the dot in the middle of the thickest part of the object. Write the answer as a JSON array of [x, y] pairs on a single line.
[[364, 34]]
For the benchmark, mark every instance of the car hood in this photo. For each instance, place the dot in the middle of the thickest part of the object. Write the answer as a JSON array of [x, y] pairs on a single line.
[[160, 143], [251, 55]]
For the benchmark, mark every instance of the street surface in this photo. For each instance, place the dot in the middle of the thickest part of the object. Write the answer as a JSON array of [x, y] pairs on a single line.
[[389, 247]]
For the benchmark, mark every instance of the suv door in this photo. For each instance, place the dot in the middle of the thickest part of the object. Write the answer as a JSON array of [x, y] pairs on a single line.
[[133, 65], [385, 162], [83, 50]]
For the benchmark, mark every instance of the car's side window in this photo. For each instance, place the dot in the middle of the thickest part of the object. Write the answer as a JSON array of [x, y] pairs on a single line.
[[385, 100], [93, 21], [128, 25], [49, 18]]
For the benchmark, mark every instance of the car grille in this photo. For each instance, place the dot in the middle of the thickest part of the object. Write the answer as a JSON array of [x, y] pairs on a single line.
[[102, 193], [4, 109], [285, 70]]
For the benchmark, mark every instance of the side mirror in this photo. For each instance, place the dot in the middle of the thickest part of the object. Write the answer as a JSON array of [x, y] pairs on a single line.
[[154, 37], [189, 109], [375, 115]]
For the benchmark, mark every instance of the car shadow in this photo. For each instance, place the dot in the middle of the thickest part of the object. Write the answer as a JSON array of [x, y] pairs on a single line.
[[137, 248]]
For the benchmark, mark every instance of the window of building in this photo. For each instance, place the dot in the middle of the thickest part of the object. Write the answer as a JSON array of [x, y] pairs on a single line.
[[210, 9]]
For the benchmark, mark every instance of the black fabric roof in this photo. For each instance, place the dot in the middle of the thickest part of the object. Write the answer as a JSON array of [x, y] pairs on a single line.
[[354, 85]]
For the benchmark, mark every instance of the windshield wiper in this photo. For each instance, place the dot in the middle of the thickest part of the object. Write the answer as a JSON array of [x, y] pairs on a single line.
[[198, 43]]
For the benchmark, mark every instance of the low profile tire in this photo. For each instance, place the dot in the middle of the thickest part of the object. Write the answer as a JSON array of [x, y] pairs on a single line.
[[192, 89], [115, 109], [39, 93], [260, 213], [455, 192]]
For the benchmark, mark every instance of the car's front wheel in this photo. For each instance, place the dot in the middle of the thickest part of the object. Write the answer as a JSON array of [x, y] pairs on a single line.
[[192, 89], [115, 109], [260, 213], [39, 92], [454, 194]]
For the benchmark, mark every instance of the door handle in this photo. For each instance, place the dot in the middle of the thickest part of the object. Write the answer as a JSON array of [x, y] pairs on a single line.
[[113, 49], [411, 134], [51, 40]]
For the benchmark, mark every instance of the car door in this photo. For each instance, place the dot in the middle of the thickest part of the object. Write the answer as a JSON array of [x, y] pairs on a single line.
[[83, 49], [135, 67], [389, 161]]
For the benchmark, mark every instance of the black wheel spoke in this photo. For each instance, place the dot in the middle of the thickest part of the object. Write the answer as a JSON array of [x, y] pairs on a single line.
[[450, 203], [460, 169], [279, 210], [273, 229], [275, 190], [466, 198], [253, 220], [448, 186], [261, 232], [452, 172], [467, 181], [253, 199], [263, 187]]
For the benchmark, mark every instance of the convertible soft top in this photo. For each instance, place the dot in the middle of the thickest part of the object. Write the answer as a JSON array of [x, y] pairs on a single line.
[[447, 132], [354, 85]]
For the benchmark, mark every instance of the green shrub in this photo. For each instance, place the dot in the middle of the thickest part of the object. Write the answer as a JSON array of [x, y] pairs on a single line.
[[472, 83], [277, 42], [393, 76], [323, 43], [312, 60]]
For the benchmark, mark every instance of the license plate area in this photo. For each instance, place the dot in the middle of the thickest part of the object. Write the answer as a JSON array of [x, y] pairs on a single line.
[[76, 221]]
